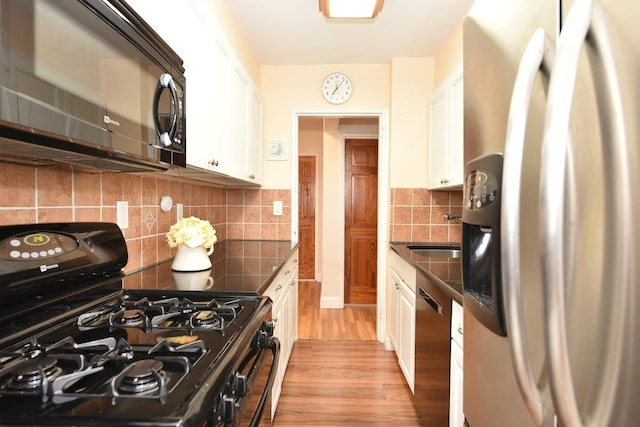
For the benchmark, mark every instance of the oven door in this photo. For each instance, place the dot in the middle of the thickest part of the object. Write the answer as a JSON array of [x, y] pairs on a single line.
[[258, 370], [256, 374]]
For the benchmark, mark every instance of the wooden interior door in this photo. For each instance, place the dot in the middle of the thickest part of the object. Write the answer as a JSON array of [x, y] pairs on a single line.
[[361, 220], [307, 217]]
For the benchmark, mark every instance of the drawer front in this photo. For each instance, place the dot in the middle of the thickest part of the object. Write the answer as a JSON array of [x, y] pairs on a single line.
[[457, 326], [406, 271], [288, 270]]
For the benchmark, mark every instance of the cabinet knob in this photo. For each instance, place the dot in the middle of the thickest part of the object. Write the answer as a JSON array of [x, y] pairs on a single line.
[[460, 330], [213, 162], [252, 176], [444, 181]]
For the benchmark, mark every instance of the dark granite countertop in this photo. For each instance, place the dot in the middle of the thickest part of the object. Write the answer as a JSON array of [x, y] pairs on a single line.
[[445, 271], [241, 266]]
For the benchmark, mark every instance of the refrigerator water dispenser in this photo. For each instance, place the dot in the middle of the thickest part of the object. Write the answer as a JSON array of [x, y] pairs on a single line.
[[481, 267]]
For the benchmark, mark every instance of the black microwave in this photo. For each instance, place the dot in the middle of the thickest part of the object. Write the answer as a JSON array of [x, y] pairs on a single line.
[[88, 82]]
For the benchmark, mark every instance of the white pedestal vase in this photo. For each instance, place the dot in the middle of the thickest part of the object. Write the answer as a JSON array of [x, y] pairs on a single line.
[[192, 259]]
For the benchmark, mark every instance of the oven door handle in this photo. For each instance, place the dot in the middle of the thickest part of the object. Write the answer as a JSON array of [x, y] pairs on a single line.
[[274, 345]]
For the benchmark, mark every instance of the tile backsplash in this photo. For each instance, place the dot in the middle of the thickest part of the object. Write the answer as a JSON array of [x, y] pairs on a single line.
[[417, 215], [62, 194]]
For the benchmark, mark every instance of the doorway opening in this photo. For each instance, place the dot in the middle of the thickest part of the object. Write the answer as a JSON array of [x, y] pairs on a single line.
[[322, 138]]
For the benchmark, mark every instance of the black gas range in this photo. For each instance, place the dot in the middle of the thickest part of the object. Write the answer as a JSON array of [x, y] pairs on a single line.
[[78, 349]]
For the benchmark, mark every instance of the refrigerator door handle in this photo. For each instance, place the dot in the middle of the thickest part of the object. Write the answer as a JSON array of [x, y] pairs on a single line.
[[585, 23], [538, 56]]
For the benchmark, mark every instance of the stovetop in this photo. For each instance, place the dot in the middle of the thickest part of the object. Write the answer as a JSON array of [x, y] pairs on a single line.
[[142, 352]]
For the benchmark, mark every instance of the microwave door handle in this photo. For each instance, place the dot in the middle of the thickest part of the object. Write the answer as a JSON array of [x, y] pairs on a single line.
[[165, 82], [586, 18], [538, 56]]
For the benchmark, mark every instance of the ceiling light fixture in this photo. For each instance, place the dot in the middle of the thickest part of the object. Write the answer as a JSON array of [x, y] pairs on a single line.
[[350, 9]]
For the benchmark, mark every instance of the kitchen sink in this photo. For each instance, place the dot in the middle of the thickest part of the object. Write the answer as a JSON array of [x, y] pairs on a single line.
[[440, 251]]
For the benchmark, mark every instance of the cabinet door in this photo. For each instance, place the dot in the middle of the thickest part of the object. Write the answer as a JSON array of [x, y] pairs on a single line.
[[456, 128], [445, 146], [456, 415], [239, 131], [394, 298], [255, 146], [217, 121], [407, 327], [278, 332], [438, 152]]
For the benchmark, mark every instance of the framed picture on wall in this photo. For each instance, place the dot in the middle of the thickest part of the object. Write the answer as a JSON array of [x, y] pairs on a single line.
[[277, 149]]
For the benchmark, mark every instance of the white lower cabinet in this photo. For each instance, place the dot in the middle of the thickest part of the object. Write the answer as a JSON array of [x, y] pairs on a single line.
[[456, 415], [402, 314], [284, 315]]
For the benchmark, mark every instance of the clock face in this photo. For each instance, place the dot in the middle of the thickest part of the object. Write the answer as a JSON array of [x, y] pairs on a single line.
[[336, 88]]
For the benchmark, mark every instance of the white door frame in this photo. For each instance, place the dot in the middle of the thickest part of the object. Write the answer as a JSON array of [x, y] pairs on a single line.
[[383, 196]]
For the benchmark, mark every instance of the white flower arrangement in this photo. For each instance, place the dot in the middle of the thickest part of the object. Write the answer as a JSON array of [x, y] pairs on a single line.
[[192, 232]]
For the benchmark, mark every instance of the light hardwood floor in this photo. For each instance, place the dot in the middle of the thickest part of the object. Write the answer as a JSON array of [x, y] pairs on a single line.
[[354, 322], [338, 374]]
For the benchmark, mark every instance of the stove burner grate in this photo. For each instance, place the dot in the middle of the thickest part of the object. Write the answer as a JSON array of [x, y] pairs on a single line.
[[141, 377], [33, 374]]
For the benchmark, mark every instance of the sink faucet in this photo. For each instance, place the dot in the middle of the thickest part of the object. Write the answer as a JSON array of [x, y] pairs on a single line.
[[451, 217]]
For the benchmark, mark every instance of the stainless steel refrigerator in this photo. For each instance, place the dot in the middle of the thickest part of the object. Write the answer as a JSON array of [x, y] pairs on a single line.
[[551, 217]]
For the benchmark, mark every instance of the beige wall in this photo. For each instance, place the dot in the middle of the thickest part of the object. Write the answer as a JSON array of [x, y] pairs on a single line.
[[287, 89], [449, 55], [411, 84]]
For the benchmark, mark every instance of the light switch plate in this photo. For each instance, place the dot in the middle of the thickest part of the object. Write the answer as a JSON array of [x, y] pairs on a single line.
[[122, 214], [179, 212], [277, 207]]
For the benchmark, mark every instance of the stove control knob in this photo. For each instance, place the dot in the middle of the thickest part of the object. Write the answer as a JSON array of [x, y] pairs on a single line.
[[268, 328], [228, 409], [239, 385]]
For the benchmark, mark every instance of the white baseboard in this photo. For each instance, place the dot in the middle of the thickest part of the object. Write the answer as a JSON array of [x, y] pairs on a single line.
[[387, 344], [331, 302]]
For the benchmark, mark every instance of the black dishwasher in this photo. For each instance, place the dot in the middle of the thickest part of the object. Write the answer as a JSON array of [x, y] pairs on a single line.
[[433, 333]]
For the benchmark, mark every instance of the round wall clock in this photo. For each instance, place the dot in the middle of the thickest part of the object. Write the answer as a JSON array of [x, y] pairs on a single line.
[[336, 88]]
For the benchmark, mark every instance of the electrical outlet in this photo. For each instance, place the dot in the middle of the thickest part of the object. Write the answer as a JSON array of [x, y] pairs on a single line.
[[122, 214], [277, 207]]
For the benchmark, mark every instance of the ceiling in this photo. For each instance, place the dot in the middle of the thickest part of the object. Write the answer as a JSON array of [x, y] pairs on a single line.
[[294, 32]]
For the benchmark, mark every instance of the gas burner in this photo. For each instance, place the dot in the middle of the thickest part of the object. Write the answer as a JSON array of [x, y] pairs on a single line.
[[141, 377], [213, 319], [35, 367], [33, 374], [206, 318], [129, 318]]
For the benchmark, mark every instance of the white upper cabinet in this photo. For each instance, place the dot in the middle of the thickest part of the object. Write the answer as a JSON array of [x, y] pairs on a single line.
[[445, 163], [222, 123], [255, 150]]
